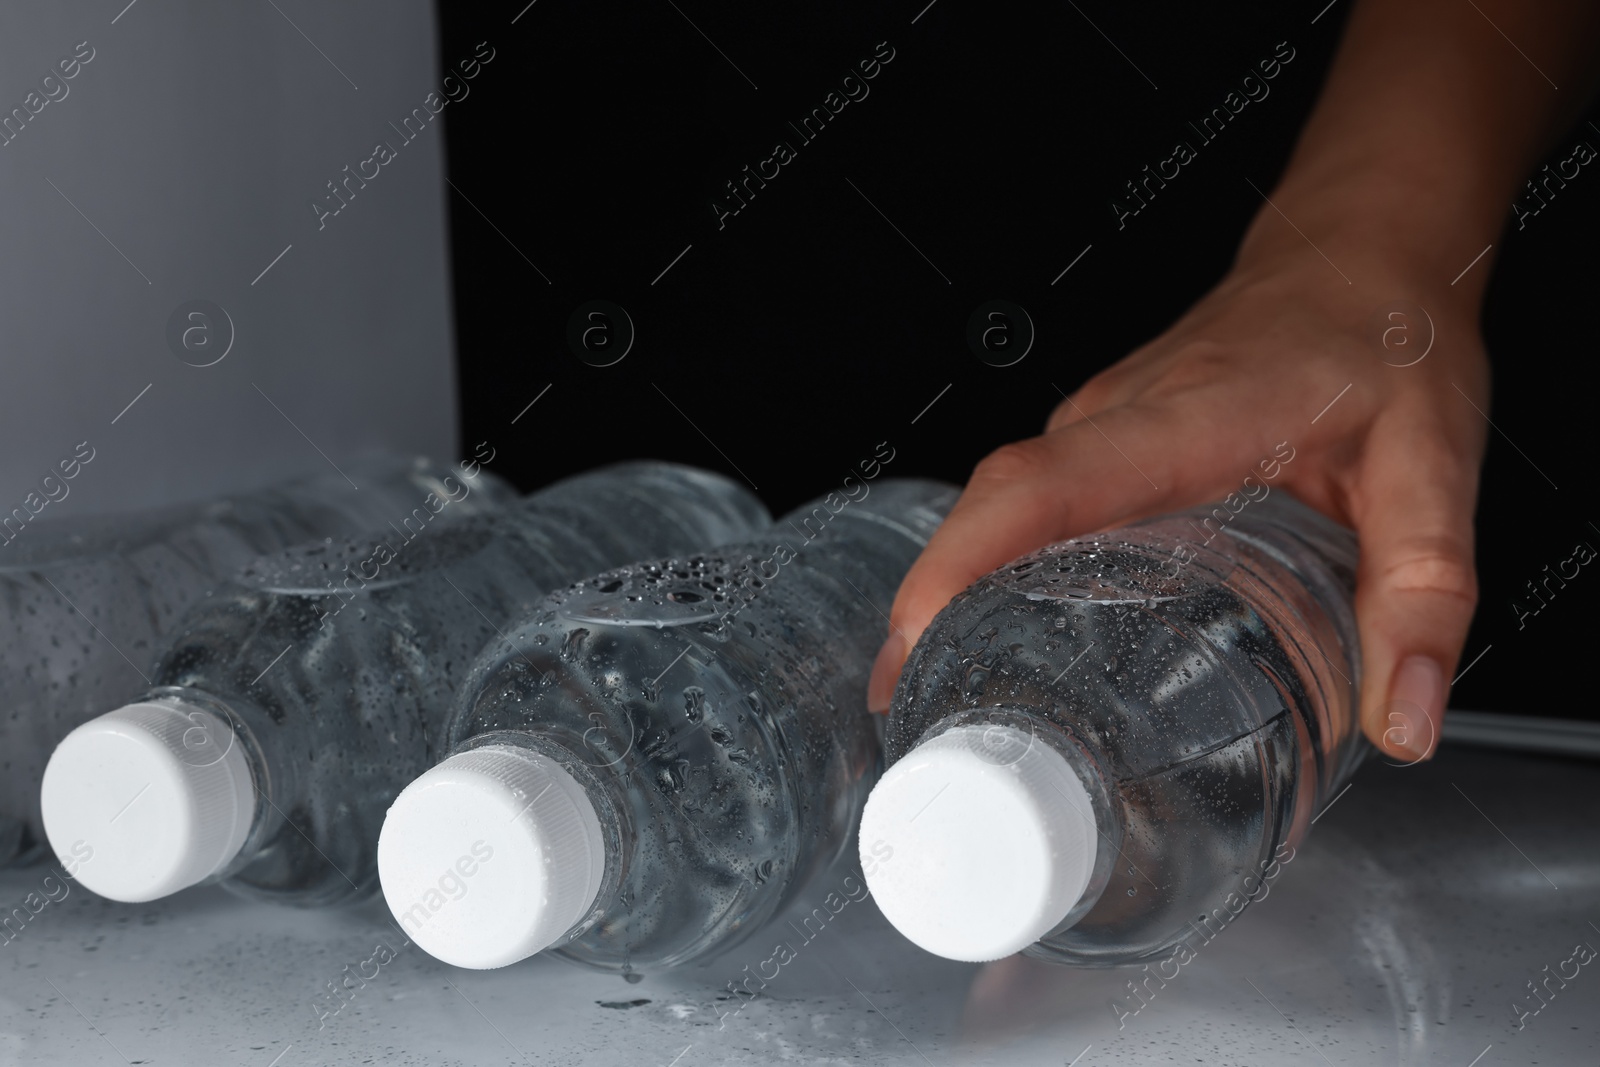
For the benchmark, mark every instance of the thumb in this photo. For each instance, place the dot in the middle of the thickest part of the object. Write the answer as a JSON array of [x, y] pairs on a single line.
[[1416, 589]]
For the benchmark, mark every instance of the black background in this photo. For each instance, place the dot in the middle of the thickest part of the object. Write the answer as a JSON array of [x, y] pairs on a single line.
[[785, 345]]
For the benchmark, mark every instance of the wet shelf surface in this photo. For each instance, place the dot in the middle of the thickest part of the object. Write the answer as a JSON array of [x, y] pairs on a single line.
[[1404, 931]]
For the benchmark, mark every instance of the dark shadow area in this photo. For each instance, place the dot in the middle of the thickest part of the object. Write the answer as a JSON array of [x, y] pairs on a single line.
[[783, 339]]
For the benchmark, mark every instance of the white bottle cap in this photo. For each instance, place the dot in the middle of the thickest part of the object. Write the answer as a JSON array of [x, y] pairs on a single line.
[[990, 841], [491, 856], [158, 795]]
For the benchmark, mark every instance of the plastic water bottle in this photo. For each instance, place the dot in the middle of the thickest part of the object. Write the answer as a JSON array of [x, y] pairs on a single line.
[[1103, 751], [86, 603], [660, 758], [296, 702]]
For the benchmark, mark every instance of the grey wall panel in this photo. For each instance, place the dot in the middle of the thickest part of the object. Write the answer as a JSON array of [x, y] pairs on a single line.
[[176, 165]]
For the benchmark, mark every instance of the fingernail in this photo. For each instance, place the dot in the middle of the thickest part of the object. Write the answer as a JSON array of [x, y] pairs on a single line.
[[1416, 695], [885, 673]]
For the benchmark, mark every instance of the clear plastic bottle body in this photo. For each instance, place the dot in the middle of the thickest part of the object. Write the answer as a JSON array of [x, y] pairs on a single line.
[[337, 663], [86, 603], [713, 708], [1208, 703]]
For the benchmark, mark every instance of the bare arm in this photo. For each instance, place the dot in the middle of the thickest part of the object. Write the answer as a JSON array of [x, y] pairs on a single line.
[[1433, 114]]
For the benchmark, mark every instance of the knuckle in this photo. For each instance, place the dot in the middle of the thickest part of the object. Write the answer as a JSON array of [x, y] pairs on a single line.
[[1198, 363], [1441, 568], [1018, 462], [1093, 395]]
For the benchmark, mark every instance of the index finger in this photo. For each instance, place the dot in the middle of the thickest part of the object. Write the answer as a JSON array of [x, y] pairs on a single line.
[[1120, 463]]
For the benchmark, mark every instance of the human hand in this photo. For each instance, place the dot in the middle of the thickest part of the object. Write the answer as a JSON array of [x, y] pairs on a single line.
[[1283, 350]]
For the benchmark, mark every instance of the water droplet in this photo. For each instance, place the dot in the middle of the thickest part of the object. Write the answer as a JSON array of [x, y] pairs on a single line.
[[673, 776], [694, 703], [977, 678], [572, 644]]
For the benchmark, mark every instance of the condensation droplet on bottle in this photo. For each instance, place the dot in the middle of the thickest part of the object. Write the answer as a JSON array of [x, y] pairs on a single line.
[[694, 703], [572, 644], [673, 776]]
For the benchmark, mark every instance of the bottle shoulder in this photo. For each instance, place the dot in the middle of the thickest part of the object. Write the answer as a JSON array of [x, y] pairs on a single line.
[[1150, 658], [381, 559]]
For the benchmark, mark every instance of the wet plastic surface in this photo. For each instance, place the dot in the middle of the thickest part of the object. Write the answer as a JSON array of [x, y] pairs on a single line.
[[1402, 932]]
